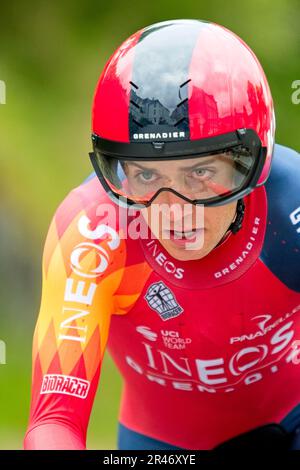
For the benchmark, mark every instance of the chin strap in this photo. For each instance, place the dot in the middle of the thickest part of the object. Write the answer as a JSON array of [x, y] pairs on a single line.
[[237, 223]]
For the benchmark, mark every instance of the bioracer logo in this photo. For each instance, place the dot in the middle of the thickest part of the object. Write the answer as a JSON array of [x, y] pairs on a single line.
[[65, 384]]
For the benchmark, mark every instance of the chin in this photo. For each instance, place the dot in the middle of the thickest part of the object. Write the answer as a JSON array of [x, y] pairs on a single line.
[[183, 254]]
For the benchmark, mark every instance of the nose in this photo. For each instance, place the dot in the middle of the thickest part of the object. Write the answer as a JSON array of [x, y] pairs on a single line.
[[177, 208], [168, 197]]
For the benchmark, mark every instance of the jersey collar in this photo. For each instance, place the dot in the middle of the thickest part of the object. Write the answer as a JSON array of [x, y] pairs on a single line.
[[225, 263]]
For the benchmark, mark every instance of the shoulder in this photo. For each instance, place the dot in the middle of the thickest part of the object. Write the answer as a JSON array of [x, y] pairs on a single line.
[[79, 237], [281, 250], [285, 168], [90, 203], [85, 242]]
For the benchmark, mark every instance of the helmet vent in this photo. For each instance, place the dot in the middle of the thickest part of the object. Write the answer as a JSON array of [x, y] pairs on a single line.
[[133, 84]]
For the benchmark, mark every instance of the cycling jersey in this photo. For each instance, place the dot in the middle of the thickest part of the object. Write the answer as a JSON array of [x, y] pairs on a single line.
[[207, 349]]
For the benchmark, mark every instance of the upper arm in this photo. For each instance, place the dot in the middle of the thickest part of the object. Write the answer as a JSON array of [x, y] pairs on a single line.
[[80, 277]]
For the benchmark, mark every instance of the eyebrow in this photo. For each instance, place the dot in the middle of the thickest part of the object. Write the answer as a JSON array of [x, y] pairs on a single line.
[[211, 160]]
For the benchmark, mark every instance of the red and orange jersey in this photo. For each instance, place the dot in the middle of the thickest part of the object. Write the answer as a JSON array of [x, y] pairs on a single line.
[[207, 349], [85, 270]]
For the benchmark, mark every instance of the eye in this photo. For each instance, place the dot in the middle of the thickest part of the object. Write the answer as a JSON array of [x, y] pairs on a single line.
[[199, 171], [202, 173], [146, 176]]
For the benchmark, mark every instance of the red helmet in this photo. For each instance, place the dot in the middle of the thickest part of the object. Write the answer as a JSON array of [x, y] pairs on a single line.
[[183, 89]]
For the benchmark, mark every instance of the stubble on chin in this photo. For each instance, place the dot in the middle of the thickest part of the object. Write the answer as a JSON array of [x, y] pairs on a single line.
[[183, 254]]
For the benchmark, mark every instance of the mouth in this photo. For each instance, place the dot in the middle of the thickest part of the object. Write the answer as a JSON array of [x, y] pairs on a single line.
[[183, 235]]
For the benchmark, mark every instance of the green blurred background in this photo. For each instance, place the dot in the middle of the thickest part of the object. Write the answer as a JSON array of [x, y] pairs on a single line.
[[51, 54]]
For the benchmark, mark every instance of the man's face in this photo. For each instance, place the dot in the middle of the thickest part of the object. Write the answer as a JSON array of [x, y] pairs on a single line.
[[187, 231]]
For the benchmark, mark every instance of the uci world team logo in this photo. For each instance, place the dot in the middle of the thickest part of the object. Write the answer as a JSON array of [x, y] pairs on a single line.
[[162, 300]]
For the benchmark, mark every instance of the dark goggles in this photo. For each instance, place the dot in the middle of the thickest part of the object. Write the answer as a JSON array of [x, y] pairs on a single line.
[[211, 172]]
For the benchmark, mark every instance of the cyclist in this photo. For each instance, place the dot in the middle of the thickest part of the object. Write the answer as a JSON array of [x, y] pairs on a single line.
[[198, 303]]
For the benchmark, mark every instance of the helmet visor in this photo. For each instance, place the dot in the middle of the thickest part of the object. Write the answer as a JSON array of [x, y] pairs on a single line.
[[200, 179]]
